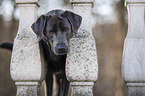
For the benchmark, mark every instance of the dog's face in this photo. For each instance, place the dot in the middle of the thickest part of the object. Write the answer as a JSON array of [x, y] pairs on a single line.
[[57, 33], [56, 28]]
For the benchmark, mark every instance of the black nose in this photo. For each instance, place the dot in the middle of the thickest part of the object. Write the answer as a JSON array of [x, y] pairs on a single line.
[[61, 47]]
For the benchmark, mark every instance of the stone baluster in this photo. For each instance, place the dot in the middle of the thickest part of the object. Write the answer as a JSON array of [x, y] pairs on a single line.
[[82, 64], [26, 68], [133, 68]]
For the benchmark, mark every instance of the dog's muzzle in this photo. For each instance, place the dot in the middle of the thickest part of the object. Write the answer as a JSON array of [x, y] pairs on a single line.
[[61, 48]]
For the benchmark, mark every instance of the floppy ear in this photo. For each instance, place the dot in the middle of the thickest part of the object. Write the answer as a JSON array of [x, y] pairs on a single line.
[[38, 26], [74, 19]]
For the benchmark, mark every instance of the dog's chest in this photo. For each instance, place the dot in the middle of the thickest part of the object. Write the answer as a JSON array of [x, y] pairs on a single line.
[[54, 63]]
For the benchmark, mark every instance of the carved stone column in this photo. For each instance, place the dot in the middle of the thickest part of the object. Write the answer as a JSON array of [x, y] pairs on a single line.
[[82, 65], [26, 67], [134, 52]]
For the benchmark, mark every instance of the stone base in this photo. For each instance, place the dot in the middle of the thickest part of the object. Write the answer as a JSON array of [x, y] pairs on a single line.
[[136, 89], [27, 88], [82, 88]]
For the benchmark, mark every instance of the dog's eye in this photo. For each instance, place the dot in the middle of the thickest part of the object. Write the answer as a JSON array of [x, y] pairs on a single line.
[[51, 32], [66, 29]]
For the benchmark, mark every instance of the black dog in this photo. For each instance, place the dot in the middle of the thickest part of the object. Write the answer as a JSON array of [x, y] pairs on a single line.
[[54, 30]]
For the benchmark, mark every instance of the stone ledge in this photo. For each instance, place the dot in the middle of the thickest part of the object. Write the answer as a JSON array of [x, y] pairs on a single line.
[[82, 83], [28, 2], [134, 2], [27, 83], [81, 1], [136, 84]]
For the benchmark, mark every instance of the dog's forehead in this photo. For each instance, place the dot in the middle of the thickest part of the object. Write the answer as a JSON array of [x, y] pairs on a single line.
[[56, 18], [53, 20]]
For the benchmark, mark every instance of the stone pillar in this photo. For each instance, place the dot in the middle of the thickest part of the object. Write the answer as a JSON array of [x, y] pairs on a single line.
[[26, 68], [82, 64], [133, 67]]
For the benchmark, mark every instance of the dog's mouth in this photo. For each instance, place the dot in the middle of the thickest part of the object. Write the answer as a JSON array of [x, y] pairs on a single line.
[[62, 52]]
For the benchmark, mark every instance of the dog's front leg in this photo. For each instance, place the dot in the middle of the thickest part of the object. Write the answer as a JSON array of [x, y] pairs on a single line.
[[64, 86], [49, 83]]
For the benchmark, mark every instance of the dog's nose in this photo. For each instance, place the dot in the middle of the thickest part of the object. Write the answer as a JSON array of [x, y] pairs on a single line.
[[61, 47]]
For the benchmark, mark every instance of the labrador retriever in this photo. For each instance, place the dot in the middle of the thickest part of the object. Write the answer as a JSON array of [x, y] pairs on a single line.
[[54, 31]]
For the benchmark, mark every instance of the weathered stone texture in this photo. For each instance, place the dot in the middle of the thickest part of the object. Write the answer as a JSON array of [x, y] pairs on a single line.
[[134, 54], [82, 64], [27, 68]]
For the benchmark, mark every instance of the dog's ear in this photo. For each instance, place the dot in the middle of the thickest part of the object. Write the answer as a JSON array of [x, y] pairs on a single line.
[[38, 26], [74, 19]]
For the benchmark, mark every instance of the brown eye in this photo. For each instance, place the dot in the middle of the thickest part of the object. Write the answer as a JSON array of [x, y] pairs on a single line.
[[66, 30], [51, 32]]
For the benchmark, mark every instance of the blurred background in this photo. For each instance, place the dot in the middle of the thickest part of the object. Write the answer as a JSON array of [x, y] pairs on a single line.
[[109, 25]]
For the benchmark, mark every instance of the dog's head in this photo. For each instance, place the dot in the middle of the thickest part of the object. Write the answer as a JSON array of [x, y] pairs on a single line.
[[56, 28]]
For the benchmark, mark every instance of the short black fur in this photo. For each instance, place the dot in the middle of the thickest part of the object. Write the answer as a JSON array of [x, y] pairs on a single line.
[[54, 30]]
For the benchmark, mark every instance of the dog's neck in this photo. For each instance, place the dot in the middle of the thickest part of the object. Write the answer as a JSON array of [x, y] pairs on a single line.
[[55, 57]]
